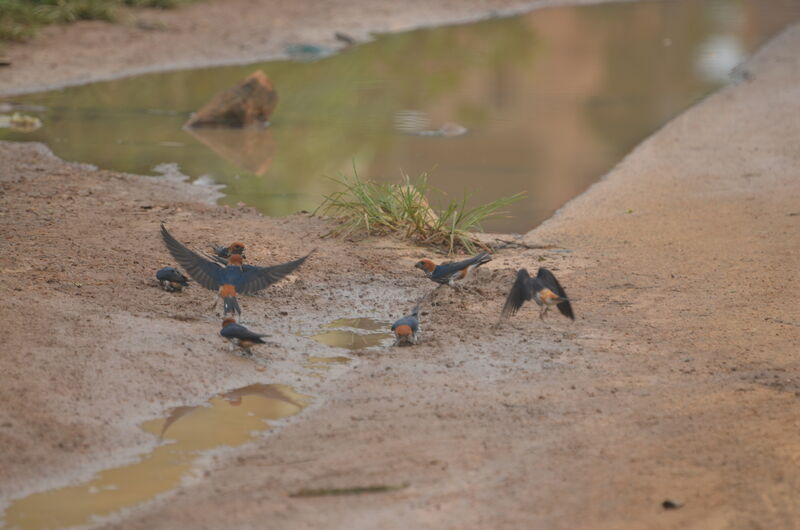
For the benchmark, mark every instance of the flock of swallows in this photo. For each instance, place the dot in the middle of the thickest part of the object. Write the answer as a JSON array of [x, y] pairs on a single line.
[[226, 273]]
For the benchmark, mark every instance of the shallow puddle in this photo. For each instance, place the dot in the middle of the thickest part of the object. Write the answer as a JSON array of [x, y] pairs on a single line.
[[349, 333], [551, 100], [369, 324], [230, 419], [350, 340]]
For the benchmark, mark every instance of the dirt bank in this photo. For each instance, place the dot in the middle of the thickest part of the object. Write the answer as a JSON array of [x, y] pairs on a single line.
[[677, 381], [215, 32]]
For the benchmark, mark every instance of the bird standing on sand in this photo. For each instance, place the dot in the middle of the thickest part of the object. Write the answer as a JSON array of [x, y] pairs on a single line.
[[230, 280], [448, 273], [240, 335], [545, 291], [407, 328], [226, 252], [171, 280]]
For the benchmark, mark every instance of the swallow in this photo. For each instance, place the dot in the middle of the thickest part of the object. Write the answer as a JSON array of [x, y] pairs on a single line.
[[407, 328], [171, 280], [448, 273], [228, 280], [545, 291], [240, 335], [226, 252]]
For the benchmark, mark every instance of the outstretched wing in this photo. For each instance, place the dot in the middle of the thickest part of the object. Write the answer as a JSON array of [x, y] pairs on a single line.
[[202, 270], [257, 278], [520, 293], [549, 280], [219, 259], [224, 261]]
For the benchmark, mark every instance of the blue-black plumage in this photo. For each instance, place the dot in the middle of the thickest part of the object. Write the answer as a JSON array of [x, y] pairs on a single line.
[[544, 289], [171, 279], [406, 330], [240, 335], [448, 273], [229, 280]]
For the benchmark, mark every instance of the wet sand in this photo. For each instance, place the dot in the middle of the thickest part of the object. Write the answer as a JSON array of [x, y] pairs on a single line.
[[677, 381]]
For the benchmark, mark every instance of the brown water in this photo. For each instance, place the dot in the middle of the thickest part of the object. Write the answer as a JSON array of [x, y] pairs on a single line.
[[368, 324], [551, 100], [230, 419], [353, 334]]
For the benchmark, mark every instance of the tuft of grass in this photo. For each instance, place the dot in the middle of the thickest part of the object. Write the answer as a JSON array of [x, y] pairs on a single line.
[[365, 207], [19, 19]]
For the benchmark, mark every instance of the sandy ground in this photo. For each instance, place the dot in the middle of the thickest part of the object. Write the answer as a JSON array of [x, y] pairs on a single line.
[[677, 381], [220, 32]]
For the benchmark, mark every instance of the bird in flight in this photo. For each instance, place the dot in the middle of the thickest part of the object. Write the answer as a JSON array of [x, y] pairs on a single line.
[[228, 280], [544, 289]]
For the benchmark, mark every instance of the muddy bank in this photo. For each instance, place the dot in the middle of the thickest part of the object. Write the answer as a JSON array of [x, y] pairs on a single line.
[[674, 383], [215, 32], [677, 381]]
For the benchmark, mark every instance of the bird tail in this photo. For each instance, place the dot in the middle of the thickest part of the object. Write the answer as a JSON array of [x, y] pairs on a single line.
[[231, 305], [520, 293]]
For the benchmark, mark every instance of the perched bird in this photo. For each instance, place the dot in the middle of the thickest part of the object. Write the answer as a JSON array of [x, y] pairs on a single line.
[[225, 252], [231, 279], [407, 328], [545, 291], [239, 335], [447, 273], [171, 279]]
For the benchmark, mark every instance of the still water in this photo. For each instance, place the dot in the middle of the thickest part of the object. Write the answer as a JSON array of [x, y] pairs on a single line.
[[354, 333], [551, 101], [230, 419]]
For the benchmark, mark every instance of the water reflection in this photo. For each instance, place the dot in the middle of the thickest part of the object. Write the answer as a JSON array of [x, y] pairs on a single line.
[[348, 333], [551, 99], [230, 419], [369, 324], [350, 340]]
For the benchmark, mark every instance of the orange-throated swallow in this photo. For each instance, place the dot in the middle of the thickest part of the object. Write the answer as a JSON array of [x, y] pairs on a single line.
[[407, 329], [448, 273], [545, 291], [226, 252], [239, 335], [231, 279], [171, 280]]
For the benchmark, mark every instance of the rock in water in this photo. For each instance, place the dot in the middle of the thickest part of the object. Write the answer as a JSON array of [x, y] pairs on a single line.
[[251, 102]]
